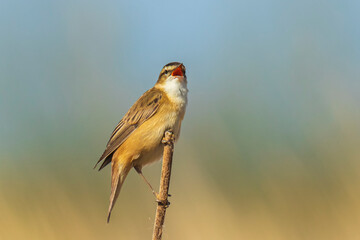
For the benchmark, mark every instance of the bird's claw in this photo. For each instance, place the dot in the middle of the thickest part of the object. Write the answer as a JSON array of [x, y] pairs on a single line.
[[164, 203], [168, 138]]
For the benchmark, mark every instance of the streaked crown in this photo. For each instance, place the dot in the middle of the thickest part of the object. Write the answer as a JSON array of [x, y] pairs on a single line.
[[172, 69]]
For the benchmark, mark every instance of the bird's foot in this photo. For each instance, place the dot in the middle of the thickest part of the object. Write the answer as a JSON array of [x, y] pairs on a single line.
[[168, 138], [164, 203]]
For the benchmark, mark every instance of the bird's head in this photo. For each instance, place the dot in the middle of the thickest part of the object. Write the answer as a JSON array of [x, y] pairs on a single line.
[[171, 72]]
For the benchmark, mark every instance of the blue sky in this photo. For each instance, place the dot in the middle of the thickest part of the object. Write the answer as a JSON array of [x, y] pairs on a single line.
[[64, 61]]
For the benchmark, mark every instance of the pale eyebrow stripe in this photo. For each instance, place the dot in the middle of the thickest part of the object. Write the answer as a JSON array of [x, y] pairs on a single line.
[[167, 68]]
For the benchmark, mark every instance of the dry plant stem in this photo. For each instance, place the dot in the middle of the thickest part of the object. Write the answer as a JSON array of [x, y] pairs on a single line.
[[164, 185]]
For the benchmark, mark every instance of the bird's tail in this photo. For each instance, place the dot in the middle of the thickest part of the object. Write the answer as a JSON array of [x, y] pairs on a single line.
[[119, 172]]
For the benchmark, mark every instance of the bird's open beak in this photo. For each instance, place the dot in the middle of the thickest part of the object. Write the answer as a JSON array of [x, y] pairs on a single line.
[[178, 71]]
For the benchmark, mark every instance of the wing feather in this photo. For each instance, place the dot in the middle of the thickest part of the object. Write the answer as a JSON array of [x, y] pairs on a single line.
[[143, 109]]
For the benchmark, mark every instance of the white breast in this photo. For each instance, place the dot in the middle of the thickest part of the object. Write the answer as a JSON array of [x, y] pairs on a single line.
[[176, 89]]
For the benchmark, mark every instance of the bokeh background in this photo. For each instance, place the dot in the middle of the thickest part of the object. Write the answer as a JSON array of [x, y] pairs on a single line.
[[270, 145]]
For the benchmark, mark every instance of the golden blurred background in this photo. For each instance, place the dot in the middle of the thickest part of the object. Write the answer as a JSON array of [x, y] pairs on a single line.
[[269, 146]]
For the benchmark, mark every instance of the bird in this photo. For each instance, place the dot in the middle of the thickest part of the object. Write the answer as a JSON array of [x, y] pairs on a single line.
[[137, 139]]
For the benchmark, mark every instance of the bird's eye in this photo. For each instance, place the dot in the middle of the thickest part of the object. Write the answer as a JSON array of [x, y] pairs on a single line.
[[166, 71]]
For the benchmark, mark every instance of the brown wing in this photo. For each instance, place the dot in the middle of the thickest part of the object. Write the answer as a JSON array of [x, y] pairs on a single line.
[[143, 109]]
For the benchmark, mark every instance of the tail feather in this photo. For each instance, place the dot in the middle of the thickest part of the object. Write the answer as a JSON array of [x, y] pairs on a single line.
[[105, 162], [118, 174]]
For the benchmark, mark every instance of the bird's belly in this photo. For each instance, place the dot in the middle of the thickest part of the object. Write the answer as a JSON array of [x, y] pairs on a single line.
[[145, 141], [148, 157]]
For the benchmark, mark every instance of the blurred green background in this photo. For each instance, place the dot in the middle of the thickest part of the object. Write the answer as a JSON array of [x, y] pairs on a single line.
[[270, 144]]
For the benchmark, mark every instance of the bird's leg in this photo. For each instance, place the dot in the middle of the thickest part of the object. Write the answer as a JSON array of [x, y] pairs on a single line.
[[138, 170]]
